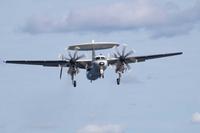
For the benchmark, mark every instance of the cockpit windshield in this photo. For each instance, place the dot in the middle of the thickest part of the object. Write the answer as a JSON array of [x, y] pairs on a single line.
[[100, 58], [103, 58]]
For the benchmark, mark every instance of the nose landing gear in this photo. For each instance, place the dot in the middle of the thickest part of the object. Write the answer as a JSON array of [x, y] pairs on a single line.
[[101, 73]]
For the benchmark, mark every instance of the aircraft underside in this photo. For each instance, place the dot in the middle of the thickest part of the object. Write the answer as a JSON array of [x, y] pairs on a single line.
[[95, 72]]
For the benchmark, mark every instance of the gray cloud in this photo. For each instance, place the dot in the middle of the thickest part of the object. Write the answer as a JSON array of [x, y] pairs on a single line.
[[157, 19], [107, 128]]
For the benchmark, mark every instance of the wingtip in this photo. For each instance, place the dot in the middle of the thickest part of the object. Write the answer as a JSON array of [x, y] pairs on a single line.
[[2, 61], [177, 53], [180, 53]]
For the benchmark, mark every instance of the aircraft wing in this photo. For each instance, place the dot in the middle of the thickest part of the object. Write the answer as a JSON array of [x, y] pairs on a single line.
[[50, 63], [135, 59]]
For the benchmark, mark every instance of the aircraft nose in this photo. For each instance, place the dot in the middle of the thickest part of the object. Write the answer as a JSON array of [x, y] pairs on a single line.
[[101, 63]]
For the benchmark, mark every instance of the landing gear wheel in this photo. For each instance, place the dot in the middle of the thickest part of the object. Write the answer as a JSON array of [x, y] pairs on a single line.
[[74, 83], [118, 81]]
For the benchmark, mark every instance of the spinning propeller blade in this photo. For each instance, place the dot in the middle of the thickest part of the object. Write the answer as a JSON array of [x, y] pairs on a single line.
[[61, 72], [122, 56], [72, 60]]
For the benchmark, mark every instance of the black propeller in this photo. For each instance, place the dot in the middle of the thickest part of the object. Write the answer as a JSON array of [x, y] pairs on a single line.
[[62, 57], [72, 61], [61, 72], [122, 56], [73, 58]]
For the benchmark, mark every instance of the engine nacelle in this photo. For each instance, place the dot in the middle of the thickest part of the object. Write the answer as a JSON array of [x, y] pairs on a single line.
[[120, 68]]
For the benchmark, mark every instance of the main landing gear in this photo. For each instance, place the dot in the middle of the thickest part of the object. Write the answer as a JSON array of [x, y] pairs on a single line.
[[118, 79], [73, 80], [74, 83]]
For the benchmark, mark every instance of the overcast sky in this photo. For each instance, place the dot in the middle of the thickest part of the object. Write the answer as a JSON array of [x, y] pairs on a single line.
[[157, 96]]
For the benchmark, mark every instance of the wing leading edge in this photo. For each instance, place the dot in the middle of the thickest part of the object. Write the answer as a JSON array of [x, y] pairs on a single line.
[[50, 63], [143, 58], [135, 59]]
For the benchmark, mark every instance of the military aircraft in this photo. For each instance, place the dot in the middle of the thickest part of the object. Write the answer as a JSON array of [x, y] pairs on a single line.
[[96, 66]]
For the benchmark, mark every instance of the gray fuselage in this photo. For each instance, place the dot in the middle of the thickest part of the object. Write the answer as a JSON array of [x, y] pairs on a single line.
[[97, 68]]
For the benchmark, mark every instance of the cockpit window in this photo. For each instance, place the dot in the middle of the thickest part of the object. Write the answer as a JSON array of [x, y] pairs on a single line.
[[103, 58], [97, 58], [100, 58]]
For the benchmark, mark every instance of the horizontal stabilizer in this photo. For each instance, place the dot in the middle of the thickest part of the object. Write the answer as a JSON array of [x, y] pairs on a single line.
[[95, 46]]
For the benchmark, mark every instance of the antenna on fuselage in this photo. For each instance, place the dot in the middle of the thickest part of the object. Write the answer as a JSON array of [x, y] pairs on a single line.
[[93, 46], [93, 50]]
